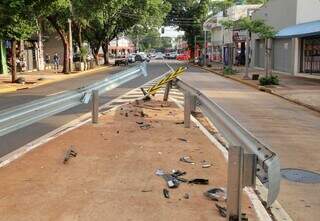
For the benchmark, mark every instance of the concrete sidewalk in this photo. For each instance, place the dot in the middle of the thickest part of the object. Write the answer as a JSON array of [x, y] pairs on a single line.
[[39, 78], [113, 176], [301, 90], [291, 130]]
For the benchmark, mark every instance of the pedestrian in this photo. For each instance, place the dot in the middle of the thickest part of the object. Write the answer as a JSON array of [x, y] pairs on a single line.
[[56, 60], [47, 61]]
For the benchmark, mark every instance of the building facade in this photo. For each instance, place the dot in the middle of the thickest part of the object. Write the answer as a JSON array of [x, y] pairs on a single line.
[[221, 37], [296, 47]]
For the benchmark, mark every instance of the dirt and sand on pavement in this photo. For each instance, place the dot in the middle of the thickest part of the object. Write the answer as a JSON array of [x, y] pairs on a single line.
[[113, 175]]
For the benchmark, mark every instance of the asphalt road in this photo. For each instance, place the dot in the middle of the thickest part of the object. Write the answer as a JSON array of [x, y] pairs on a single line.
[[14, 140]]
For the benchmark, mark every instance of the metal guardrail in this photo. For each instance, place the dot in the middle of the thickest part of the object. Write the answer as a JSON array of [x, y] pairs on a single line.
[[268, 164], [23, 115]]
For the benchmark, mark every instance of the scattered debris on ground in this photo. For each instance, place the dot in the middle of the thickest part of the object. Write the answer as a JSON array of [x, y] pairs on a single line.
[[186, 159], [114, 169], [216, 194], [182, 139], [199, 181], [166, 193], [69, 154], [222, 210], [205, 164]]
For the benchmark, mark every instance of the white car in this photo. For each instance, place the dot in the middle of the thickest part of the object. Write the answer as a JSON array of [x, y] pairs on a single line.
[[132, 58], [159, 56], [173, 55]]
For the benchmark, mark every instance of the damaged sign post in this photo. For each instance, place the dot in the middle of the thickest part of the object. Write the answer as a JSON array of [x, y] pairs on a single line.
[[166, 92]]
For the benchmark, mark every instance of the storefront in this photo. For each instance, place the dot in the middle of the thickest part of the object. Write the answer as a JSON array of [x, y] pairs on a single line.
[[302, 43], [239, 39], [310, 58]]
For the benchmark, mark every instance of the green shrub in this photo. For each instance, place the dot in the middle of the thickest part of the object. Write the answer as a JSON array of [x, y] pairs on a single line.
[[269, 80], [228, 71]]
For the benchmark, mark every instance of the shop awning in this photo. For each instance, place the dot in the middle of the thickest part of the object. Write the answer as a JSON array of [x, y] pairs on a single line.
[[301, 30]]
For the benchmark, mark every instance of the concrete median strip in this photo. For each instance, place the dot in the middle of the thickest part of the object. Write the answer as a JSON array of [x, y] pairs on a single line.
[[111, 169]]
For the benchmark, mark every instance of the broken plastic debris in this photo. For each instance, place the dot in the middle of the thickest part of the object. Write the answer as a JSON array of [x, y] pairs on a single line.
[[216, 194], [206, 165], [160, 172], [182, 139], [177, 173], [171, 181], [145, 126], [70, 153], [166, 193], [222, 210], [186, 196], [186, 159], [199, 181]]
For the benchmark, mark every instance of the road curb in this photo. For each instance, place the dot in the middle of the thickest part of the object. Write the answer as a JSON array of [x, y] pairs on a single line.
[[45, 82], [262, 88]]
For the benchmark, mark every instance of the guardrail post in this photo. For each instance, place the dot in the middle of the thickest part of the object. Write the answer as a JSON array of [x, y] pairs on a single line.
[[167, 91], [235, 165], [241, 173], [187, 109], [95, 106]]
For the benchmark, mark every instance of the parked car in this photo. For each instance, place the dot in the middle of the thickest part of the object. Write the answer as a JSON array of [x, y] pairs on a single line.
[[173, 55], [121, 60], [159, 56], [183, 57], [142, 57], [132, 58]]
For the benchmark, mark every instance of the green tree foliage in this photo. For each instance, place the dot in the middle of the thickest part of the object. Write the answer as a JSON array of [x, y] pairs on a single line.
[[115, 17], [189, 16], [57, 12], [255, 26], [17, 22], [152, 40]]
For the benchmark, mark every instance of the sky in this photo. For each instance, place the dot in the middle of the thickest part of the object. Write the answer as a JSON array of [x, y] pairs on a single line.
[[171, 32]]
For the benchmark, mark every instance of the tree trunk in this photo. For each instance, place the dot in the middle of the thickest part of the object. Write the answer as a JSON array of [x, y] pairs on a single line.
[[268, 55], [60, 31], [13, 61], [65, 55], [96, 58], [105, 48]]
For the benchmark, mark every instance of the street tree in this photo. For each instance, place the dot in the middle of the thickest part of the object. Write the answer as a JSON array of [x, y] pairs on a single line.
[[189, 16], [17, 22], [258, 27], [118, 17], [146, 31], [57, 12]]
